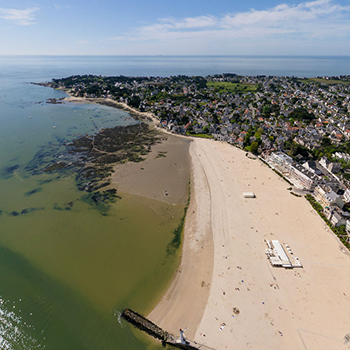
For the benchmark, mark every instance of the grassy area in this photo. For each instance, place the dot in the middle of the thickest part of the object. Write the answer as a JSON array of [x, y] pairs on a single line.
[[339, 231], [178, 232], [324, 81], [223, 86], [279, 174], [204, 136]]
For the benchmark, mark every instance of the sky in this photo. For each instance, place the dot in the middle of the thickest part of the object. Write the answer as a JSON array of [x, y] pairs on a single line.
[[181, 27]]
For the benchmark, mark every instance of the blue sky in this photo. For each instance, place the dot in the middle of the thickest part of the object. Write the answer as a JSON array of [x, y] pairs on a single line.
[[181, 27]]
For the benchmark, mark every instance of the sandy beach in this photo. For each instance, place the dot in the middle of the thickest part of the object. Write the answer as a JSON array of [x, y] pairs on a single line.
[[146, 116], [224, 265]]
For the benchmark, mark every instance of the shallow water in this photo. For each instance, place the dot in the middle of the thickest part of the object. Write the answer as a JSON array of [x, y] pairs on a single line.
[[67, 271]]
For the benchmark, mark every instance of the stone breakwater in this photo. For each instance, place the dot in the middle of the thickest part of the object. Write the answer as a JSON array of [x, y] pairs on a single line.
[[155, 331], [145, 325]]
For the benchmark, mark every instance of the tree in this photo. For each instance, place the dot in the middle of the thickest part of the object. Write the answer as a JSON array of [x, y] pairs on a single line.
[[267, 110], [254, 147], [276, 108], [184, 120], [259, 132], [246, 141], [301, 113], [326, 141], [296, 149], [134, 101]]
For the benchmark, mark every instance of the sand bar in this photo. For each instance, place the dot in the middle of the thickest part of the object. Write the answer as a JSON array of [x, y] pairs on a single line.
[[305, 308], [164, 175]]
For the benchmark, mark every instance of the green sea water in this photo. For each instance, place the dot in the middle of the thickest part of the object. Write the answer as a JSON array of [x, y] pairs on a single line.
[[66, 270], [65, 274]]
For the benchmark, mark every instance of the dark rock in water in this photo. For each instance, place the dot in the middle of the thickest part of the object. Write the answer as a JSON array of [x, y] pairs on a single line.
[[7, 172], [29, 210], [92, 185], [24, 211], [91, 159], [56, 207], [47, 160], [101, 200], [145, 325], [0, 212], [42, 182], [55, 100], [29, 193], [112, 191], [55, 166]]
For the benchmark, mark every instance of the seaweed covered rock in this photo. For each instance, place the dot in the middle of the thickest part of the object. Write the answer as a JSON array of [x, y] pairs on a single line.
[[90, 158], [101, 200]]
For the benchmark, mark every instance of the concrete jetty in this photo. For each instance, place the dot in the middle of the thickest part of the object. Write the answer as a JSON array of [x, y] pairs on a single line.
[[145, 325], [142, 323]]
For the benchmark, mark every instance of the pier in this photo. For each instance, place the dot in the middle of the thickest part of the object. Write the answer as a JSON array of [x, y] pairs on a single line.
[[142, 323]]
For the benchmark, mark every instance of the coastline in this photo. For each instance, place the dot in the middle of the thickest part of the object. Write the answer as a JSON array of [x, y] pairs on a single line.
[[160, 179], [145, 116], [224, 266], [185, 301]]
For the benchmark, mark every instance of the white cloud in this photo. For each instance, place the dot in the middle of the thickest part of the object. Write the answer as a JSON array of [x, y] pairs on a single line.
[[303, 21], [307, 11], [57, 7], [83, 42], [21, 17], [190, 22]]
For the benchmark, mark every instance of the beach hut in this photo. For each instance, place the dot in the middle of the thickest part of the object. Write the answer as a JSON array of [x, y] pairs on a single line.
[[248, 195]]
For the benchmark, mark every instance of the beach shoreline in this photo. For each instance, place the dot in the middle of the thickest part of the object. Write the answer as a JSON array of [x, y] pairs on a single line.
[[159, 178], [144, 116], [183, 304], [278, 308], [224, 266]]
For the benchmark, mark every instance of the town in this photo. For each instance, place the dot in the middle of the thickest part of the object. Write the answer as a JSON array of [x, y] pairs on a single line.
[[298, 126]]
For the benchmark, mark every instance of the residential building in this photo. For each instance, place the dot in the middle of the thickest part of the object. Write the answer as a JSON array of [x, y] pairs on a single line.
[[346, 196], [330, 166], [335, 216], [312, 167], [347, 227], [303, 178], [327, 197], [281, 159]]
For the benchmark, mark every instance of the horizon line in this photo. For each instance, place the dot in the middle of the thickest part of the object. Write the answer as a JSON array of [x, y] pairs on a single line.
[[142, 55]]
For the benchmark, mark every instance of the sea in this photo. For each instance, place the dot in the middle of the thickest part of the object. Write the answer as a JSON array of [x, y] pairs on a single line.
[[66, 269]]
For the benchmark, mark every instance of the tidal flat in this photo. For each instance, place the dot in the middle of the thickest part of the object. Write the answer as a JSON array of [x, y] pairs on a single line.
[[78, 253]]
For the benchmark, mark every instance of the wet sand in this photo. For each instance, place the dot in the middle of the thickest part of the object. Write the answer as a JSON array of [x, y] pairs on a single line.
[[184, 302], [164, 175]]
